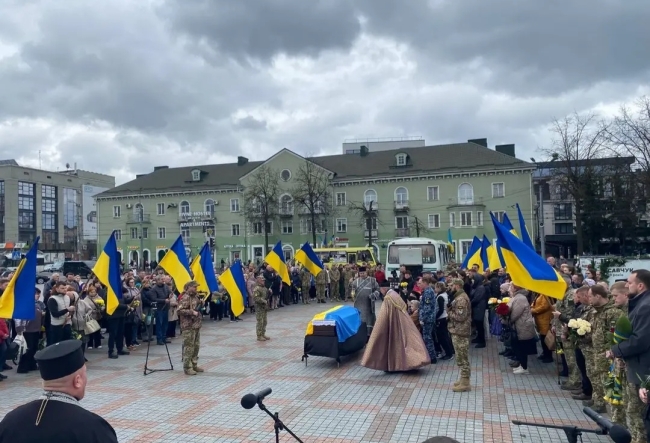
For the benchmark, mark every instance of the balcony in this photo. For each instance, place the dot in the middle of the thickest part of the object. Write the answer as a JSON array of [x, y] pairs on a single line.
[[286, 211], [465, 202], [367, 233], [401, 205], [402, 232], [138, 218]]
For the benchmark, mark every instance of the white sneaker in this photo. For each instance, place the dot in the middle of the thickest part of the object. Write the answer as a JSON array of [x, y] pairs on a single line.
[[521, 371]]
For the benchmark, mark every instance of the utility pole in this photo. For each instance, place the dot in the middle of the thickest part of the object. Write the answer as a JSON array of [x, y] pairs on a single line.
[[417, 227], [540, 216]]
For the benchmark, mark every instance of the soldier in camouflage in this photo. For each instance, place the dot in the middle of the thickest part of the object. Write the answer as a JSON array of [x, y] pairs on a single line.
[[261, 296], [564, 310], [348, 275], [305, 280], [459, 314], [189, 313], [583, 346], [321, 284], [335, 277]]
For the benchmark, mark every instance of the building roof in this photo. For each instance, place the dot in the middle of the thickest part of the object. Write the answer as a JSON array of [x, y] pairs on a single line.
[[8, 162], [442, 158]]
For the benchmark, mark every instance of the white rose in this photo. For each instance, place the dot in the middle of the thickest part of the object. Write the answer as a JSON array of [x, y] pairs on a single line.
[[572, 323], [581, 331]]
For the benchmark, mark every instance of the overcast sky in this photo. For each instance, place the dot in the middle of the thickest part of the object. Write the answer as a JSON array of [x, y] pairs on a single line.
[[119, 86]]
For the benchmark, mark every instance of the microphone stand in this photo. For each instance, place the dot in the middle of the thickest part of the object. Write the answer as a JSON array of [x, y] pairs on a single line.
[[277, 423]]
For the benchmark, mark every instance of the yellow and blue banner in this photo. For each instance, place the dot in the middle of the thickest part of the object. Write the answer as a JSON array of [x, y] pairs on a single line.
[[17, 300], [275, 259], [527, 269], [525, 235], [491, 255], [473, 256], [176, 264], [107, 270], [203, 270], [234, 282], [347, 318], [308, 258], [450, 241], [508, 224]]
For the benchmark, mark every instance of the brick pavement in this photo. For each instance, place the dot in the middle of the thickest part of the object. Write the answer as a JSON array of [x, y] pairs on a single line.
[[320, 402]]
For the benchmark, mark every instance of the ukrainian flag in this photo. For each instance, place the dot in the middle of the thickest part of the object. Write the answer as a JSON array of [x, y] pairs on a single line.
[[527, 269], [107, 270], [450, 241], [308, 258], [493, 261], [275, 259], [176, 264], [17, 300], [525, 236], [473, 256], [347, 318], [203, 270], [234, 282], [508, 224]]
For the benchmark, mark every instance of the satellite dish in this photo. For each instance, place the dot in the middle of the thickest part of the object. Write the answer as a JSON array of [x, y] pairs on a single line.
[[67, 165]]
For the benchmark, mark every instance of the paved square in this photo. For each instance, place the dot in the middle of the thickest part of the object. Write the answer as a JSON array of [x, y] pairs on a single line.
[[320, 402]]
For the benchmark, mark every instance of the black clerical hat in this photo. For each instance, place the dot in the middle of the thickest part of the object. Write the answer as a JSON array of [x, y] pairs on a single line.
[[60, 359], [362, 269]]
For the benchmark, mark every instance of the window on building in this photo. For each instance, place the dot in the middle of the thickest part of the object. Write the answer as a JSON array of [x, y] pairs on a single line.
[[25, 188], [234, 205], [209, 206], [342, 225], [138, 212], [401, 195], [402, 222], [400, 159], [433, 193], [563, 228], [464, 245], [479, 218], [49, 221], [184, 207], [371, 223], [118, 234], [466, 218], [563, 211], [185, 233], [341, 199], [269, 227], [160, 209], [434, 221], [134, 233], [287, 227], [26, 220], [466, 194], [498, 190], [452, 219], [561, 192], [162, 233], [234, 230], [286, 205], [26, 203], [117, 211], [306, 226], [499, 215], [145, 232], [48, 205], [257, 228], [48, 191], [196, 175], [370, 196]]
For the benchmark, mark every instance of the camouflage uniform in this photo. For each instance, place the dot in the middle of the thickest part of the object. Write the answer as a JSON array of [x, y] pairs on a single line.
[[335, 276], [261, 296], [190, 331], [321, 284], [347, 275], [305, 279], [603, 322], [584, 344], [459, 314], [566, 307]]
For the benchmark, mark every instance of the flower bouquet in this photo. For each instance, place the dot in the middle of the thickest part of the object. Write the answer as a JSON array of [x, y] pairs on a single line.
[[492, 303], [502, 309], [578, 329], [614, 385]]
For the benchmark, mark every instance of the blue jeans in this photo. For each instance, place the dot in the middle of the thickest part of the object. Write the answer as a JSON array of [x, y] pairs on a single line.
[[162, 320]]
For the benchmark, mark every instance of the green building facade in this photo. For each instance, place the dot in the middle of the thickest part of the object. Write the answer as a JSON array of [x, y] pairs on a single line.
[[373, 197]]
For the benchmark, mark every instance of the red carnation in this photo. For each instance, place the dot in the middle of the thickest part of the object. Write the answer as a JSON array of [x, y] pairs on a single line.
[[503, 310]]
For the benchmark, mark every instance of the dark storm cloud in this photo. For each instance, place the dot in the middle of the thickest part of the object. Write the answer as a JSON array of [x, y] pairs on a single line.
[[262, 29], [250, 123], [531, 47]]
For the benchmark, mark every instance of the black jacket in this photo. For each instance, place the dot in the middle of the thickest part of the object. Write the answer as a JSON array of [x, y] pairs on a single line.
[[158, 294], [479, 299], [636, 349]]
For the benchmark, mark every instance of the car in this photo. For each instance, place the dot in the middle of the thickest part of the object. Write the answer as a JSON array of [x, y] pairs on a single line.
[[84, 268], [43, 277]]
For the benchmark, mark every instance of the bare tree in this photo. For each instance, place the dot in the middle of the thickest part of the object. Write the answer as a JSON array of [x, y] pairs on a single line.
[[419, 226], [312, 194], [368, 219], [577, 141], [261, 200]]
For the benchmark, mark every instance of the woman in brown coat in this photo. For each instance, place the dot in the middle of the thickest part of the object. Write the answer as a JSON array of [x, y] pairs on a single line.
[[542, 311]]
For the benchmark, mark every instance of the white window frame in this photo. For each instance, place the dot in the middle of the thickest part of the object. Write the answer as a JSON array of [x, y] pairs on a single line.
[[162, 230], [464, 200], [365, 197], [205, 205], [196, 175], [503, 190], [181, 205], [464, 223], [460, 250], [452, 219], [345, 198], [233, 230], [117, 211], [499, 215], [341, 225], [434, 218], [286, 199], [134, 230], [254, 227], [402, 217], [145, 232], [236, 204], [479, 218], [400, 159], [286, 227], [118, 235], [436, 190], [158, 208], [401, 200], [270, 228], [189, 233]]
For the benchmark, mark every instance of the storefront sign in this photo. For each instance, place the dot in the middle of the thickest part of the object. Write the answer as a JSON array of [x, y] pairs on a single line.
[[196, 223]]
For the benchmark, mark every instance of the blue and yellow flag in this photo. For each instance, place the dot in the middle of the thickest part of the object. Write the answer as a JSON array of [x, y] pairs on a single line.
[[525, 236], [176, 264], [203, 270], [107, 270], [473, 256], [493, 260], [508, 224], [347, 318], [527, 269], [275, 259], [308, 258], [17, 300], [234, 282], [450, 241]]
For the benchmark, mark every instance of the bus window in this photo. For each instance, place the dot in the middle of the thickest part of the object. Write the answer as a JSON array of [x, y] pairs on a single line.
[[365, 256], [428, 254], [352, 258]]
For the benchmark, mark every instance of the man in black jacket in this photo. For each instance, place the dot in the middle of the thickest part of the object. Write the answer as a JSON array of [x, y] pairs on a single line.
[[160, 294], [479, 300], [115, 323]]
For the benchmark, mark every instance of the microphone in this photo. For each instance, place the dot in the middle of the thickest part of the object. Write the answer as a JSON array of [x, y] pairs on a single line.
[[249, 401], [617, 433]]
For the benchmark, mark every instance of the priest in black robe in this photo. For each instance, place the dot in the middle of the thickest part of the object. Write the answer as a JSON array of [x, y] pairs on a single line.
[[57, 416]]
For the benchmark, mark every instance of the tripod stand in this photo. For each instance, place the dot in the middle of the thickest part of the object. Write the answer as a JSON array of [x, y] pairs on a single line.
[[277, 423], [148, 370]]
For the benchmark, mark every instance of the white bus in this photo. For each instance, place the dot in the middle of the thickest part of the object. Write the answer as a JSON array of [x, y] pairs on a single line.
[[417, 254]]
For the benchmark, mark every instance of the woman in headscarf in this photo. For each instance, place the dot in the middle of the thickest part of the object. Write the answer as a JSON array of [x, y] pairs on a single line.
[[395, 345]]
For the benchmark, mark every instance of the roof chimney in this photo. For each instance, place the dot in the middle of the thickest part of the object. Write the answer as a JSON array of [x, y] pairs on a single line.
[[363, 151], [158, 168], [506, 149], [241, 161], [139, 175], [479, 141]]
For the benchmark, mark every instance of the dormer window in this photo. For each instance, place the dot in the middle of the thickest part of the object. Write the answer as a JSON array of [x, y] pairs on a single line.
[[400, 159], [196, 175]]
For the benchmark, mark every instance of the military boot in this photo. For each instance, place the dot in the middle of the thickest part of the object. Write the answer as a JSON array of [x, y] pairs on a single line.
[[190, 371], [261, 339], [198, 369], [463, 386]]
